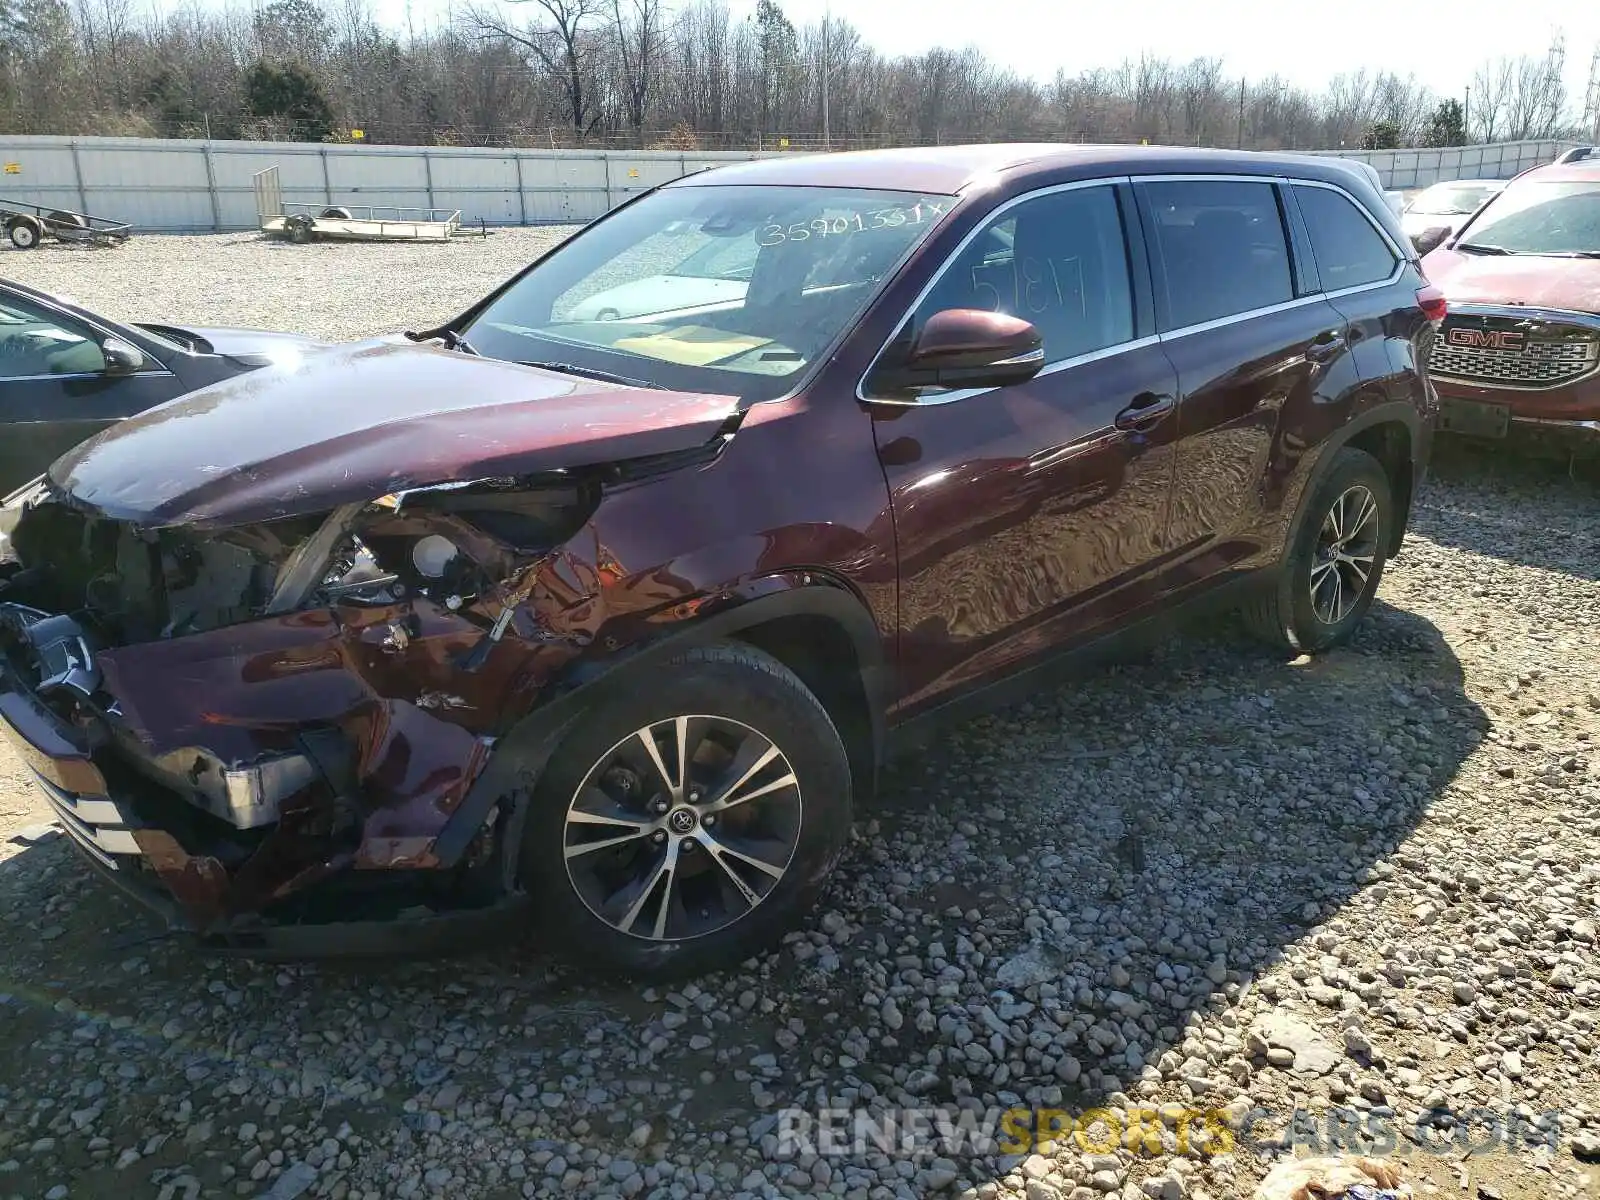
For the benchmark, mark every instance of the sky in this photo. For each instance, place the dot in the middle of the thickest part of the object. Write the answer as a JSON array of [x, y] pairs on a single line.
[[1442, 42]]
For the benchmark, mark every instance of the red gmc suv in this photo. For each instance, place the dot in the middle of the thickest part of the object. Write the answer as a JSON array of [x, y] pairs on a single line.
[[600, 605], [1520, 352]]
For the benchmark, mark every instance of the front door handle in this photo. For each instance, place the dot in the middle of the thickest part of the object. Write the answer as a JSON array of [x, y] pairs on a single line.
[[1325, 345], [1146, 409]]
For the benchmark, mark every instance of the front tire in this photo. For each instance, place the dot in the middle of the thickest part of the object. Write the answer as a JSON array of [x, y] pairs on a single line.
[[689, 821], [1335, 561]]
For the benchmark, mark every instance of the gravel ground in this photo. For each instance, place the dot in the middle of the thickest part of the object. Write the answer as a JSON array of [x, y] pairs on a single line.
[[242, 279], [1207, 877]]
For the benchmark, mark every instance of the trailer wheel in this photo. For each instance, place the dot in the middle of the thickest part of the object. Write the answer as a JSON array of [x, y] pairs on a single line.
[[336, 214], [25, 232], [300, 228], [62, 217]]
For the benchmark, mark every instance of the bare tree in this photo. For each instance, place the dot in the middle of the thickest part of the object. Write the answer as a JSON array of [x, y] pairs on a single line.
[[638, 36], [1536, 96], [689, 72], [1199, 87], [559, 46], [1491, 88]]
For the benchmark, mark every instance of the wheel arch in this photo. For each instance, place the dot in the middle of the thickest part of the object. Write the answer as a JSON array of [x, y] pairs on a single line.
[[1392, 432], [814, 624]]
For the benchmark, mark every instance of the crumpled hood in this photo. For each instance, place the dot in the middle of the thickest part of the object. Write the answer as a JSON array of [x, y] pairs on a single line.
[[1540, 282], [360, 421]]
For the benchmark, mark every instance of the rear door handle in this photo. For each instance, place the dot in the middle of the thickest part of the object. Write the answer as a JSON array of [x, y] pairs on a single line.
[[1325, 345], [1146, 409]]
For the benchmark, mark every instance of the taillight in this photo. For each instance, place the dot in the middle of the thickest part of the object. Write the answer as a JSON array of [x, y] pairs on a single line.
[[1432, 303]]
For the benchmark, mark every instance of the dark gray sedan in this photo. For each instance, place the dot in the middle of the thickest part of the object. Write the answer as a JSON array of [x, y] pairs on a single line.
[[66, 373]]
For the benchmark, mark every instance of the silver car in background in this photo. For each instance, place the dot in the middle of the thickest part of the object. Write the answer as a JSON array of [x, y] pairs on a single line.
[[1437, 212]]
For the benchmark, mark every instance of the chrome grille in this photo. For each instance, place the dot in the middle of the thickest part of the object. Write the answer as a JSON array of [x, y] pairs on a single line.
[[1541, 363]]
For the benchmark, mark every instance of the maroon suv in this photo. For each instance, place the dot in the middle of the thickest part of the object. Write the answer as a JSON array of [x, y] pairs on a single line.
[[610, 603]]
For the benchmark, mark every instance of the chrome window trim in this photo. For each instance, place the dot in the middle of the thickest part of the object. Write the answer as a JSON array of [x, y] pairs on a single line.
[[1184, 331], [163, 373], [1298, 301], [1400, 257], [989, 219], [949, 397], [52, 310]]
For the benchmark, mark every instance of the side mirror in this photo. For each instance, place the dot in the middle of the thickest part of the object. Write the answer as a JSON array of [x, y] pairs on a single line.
[[967, 348], [121, 358], [1430, 239]]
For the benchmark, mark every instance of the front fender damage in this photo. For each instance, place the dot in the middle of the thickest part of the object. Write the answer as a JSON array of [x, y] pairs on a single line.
[[329, 736]]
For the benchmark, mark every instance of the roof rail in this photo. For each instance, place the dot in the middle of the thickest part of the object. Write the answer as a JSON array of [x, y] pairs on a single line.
[[1576, 154]]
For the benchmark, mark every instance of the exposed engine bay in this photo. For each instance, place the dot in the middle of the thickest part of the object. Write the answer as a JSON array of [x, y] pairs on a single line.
[[451, 545], [264, 706]]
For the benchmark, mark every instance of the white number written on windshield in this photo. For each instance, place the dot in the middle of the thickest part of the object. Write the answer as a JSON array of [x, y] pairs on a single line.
[[882, 218]]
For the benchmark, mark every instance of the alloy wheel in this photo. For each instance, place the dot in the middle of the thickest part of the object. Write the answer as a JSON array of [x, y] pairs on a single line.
[[682, 828], [1346, 551]]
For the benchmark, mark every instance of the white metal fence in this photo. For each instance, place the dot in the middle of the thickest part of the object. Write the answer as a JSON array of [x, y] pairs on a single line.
[[176, 185], [173, 185], [1419, 168]]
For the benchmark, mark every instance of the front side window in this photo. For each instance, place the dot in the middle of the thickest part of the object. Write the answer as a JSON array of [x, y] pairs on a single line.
[[1221, 248], [1537, 217], [33, 342], [1059, 261], [732, 290], [1349, 251]]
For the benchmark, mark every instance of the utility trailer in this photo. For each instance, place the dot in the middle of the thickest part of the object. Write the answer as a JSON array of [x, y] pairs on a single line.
[[351, 222], [29, 224]]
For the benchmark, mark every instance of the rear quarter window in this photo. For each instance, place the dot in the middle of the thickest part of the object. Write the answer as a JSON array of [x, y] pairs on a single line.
[[1349, 251]]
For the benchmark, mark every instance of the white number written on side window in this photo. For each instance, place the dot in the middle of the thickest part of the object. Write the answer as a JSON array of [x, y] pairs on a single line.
[[882, 218], [1033, 285]]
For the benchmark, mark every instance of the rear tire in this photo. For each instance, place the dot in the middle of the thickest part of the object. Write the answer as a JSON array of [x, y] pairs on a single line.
[[1335, 560], [637, 869]]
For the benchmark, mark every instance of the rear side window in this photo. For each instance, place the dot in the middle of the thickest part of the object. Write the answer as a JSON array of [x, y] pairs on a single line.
[[1349, 251], [1221, 248]]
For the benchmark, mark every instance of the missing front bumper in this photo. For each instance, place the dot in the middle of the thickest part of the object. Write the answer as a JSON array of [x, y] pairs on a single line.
[[418, 934]]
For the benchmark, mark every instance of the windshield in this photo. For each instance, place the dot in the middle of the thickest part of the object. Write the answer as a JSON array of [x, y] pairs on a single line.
[[1540, 218], [1452, 200], [733, 290]]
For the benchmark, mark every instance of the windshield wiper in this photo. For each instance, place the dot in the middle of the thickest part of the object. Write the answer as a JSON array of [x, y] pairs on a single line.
[[1482, 248], [562, 368], [451, 339]]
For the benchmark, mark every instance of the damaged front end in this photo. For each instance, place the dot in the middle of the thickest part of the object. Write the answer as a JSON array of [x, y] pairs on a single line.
[[258, 644], [264, 729]]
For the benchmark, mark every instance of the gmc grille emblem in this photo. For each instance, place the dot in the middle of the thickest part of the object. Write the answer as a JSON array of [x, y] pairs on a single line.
[[1486, 339]]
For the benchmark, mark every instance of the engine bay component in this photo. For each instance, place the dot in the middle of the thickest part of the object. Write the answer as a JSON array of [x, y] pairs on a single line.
[[432, 554]]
